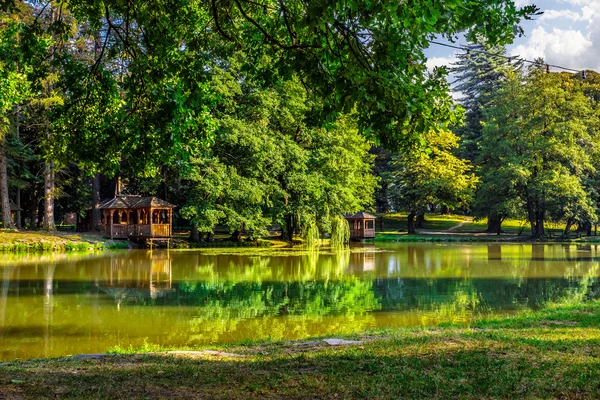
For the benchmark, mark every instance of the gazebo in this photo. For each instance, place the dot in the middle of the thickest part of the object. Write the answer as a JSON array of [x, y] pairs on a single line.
[[137, 217], [362, 225]]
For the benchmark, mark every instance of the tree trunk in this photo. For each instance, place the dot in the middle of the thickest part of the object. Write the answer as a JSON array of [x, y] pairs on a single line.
[[33, 210], [40, 214], [194, 234], [568, 227], [494, 224], [537, 224], [96, 217], [49, 197], [289, 228], [411, 223], [420, 221], [7, 221], [444, 209], [18, 216]]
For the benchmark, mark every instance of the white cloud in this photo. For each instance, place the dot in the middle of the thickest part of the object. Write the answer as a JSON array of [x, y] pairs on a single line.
[[521, 3], [568, 48], [440, 61], [560, 14]]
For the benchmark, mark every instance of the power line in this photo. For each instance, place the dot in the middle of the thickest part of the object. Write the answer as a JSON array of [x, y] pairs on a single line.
[[509, 58]]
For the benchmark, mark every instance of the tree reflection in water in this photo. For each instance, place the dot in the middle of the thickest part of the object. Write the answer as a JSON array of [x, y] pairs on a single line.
[[87, 304]]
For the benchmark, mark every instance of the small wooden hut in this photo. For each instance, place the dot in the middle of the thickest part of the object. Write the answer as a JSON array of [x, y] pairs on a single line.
[[362, 225], [13, 211], [137, 217]]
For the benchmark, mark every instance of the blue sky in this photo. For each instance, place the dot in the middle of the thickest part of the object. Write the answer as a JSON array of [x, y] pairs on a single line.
[[567, 34]]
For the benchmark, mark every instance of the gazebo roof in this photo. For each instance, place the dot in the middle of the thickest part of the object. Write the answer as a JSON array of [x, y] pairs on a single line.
[[360, 215], [132, 202], [14, 207]]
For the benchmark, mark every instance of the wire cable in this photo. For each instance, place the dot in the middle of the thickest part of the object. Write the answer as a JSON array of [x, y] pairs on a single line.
[[509, 58]]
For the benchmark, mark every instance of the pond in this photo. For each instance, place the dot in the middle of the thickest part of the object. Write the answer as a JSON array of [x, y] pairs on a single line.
[[65, 304]]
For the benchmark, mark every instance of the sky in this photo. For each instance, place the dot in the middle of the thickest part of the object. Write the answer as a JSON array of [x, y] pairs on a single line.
[[566, 34]]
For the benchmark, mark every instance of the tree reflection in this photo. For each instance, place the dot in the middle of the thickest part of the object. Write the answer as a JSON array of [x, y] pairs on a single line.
[[185, 298]]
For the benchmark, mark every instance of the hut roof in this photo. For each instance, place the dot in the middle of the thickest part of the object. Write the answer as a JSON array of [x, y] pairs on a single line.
[[132, 201], [14, 207], [361, 215]]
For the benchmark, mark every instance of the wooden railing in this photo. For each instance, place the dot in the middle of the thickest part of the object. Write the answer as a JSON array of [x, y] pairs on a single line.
[[145, 230], [161, 230], [362, 233]]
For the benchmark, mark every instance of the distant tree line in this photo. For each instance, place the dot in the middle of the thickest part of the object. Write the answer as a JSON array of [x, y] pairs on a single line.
[[528, 148]]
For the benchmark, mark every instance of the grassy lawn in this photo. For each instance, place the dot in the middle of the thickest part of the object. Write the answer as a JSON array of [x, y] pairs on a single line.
[[57, 241], [434, 222], [549, 354]]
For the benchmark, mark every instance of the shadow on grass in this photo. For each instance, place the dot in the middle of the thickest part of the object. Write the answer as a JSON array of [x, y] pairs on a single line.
[[471, 364]]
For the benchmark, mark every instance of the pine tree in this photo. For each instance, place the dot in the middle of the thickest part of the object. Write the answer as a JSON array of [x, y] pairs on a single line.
[[480, 72]]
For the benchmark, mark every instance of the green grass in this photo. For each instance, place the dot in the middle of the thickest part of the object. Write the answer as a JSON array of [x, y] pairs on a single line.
[[548, 354], [395, 237], [41, 241], [434, 222]]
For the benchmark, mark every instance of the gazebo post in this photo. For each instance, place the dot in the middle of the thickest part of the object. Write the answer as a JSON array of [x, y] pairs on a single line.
[[150, 216], [110, 213]]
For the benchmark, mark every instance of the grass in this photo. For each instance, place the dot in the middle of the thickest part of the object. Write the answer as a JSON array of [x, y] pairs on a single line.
[[434, 222], [548, 354], [395, 237], [41, 241]]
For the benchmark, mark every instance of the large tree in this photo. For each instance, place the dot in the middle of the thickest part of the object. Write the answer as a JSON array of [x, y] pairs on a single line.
[[272, 162], [480, 72], [542, 134], [437, 177]]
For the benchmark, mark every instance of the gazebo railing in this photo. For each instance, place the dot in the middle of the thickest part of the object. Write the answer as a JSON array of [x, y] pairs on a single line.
[[138, 230]]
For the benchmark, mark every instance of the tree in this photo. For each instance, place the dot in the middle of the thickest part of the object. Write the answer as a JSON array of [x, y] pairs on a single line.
[[273, 163], [419, 180], [14, 88], [480, 72], [347, 53], [543, 130]]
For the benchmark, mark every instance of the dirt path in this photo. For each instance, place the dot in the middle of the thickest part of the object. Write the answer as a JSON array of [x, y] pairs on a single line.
[[469, 219]]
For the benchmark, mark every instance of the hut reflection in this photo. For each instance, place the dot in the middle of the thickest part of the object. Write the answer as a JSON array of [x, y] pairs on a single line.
[[134, 279]]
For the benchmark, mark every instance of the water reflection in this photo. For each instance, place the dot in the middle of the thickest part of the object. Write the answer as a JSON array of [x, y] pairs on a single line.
[[53, 306]]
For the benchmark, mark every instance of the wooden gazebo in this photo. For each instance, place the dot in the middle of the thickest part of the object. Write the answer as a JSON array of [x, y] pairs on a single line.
[[362, 225], [137, 217]]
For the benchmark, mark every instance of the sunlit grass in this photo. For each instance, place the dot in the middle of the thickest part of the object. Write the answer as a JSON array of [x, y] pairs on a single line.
[[41, 241], [553, 353]]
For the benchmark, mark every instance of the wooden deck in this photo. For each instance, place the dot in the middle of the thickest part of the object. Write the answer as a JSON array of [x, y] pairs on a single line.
[[124, 231], [362, 233]]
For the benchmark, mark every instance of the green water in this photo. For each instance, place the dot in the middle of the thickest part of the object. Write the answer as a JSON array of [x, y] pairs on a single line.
[[57, 305]]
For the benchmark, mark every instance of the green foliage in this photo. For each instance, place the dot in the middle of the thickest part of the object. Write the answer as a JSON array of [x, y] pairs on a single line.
[[271, 163], [540, 145], [419, 180], [247, 114], [480, 72], [340, 231], [311, 234]]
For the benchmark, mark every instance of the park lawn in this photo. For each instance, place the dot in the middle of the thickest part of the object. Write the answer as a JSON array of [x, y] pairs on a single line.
[[433, 222], [508, 226], [548, 354], [514, 226]]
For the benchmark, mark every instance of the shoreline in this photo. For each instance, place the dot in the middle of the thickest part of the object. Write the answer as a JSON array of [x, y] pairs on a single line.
[[62, 242], [549, 353]]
